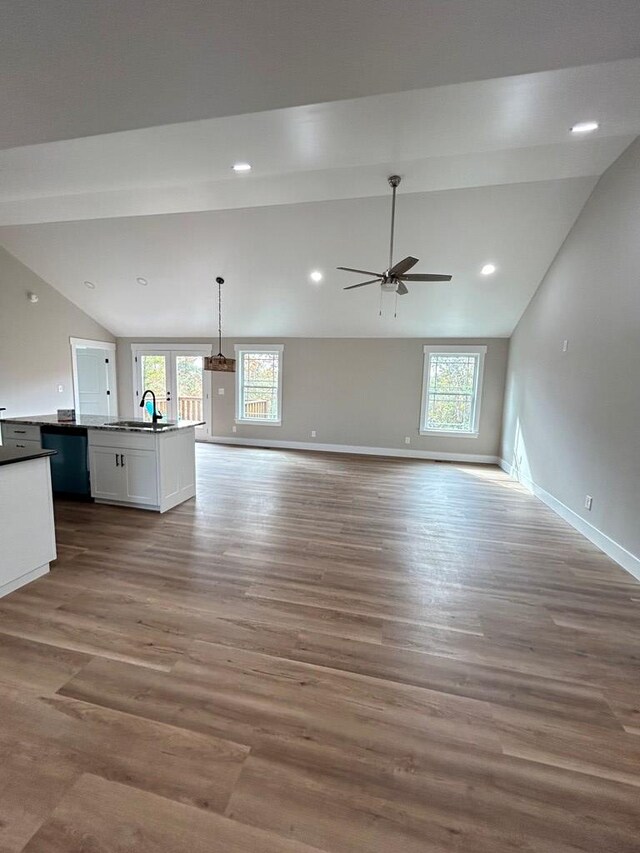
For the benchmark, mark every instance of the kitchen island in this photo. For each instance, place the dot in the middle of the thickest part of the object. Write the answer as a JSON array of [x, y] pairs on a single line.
[[131, 463], [26, 516]]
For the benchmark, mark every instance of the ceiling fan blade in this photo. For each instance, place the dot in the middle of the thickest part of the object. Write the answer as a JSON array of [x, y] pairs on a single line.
[[362, 284], [401, 289], [425, 277], [364, 272], [402, 266]]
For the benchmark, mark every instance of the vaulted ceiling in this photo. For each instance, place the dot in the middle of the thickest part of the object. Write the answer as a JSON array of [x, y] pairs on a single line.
[[127, 117]]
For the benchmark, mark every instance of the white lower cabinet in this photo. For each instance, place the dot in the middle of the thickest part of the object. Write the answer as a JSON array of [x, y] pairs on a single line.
[[21, 436], [27, 529], [140, 469], [150, 471], [124, 475], [106, 476]]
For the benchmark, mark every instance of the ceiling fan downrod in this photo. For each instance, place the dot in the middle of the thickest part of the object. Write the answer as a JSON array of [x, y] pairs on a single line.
[[394, 181]]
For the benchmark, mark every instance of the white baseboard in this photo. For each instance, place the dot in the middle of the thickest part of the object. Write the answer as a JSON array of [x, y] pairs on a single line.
[[16, 583], [610, 547], [434, 456]]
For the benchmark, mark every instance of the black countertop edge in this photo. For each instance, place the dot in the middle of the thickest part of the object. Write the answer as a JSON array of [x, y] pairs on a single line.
[[9, 455]]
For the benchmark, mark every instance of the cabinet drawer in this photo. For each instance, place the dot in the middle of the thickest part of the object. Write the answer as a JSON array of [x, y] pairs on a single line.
[[21, 443], [26, 432], [122, 440]]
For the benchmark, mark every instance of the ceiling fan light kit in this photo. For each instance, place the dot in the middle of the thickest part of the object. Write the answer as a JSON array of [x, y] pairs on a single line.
[[393, 279], [219, 362]]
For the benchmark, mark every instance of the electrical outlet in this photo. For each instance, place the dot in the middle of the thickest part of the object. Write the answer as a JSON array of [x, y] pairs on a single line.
[[220, 392], [588, 502], [313, 433], [565, 346], [407, 439], [234, 428]]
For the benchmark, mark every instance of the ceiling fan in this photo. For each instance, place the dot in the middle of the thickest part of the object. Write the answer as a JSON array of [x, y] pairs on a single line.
[[394, 278]]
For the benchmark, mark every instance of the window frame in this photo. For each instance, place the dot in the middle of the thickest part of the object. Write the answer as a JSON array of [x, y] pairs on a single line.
[[240, 349], [430, 350]]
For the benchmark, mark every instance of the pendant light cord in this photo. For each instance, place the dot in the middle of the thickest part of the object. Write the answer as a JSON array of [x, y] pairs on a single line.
[[220, 320]]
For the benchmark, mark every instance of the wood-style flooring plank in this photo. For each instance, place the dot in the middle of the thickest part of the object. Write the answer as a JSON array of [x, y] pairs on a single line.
[[99, 815], [29, 665]]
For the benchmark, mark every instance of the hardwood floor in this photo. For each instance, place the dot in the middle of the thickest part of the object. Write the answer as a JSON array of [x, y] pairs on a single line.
[[323, 653]]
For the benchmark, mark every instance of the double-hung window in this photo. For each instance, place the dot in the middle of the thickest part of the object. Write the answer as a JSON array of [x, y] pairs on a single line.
[[259, 384], [452, 390]]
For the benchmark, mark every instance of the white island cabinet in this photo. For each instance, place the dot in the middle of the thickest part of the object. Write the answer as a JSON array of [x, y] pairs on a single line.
[[147, 470], [27, 533], [131, 463]]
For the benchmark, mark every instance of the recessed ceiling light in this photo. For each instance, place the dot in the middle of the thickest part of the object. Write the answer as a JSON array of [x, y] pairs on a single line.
[[316, 276], [242, 167], [585, 127], [90, 285], [142, 281], [488, 269]]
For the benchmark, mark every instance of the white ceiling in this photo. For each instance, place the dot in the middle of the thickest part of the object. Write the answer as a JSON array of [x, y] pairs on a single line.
[[267, 253], [490, 169], [72, 68], [512, 129]]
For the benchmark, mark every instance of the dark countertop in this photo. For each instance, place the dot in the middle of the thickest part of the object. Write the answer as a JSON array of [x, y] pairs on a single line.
[[102, 422], [9, 455]]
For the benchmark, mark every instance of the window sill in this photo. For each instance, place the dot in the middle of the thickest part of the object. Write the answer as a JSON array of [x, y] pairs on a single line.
[[449, 433], [256, 422]]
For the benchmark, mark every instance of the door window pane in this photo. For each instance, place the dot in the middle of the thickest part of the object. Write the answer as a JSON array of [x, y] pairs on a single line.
[[190, 384], [154, 378]]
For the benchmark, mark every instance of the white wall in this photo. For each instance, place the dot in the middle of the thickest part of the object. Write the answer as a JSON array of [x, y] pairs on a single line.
[[572, 420], [353, 391], [35, 354]]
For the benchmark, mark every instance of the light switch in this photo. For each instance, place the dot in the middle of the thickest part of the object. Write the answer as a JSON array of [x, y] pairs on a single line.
[[565, 345], [60, 389], [221, 392]]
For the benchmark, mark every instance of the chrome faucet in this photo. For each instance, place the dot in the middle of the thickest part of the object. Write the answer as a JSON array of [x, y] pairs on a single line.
[[156, 415]]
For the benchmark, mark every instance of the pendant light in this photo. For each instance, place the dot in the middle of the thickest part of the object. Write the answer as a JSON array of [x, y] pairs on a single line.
[[219, 362]]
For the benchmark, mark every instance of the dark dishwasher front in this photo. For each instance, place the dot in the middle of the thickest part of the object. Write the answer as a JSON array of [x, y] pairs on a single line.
[[70, 467]]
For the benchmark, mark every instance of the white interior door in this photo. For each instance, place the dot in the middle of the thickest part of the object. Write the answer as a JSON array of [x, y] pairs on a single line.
[[179, 381], [93, 381], [94, 377]]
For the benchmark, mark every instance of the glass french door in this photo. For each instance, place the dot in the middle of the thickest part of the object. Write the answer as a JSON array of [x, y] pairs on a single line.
[[154, 370], [179, 381]]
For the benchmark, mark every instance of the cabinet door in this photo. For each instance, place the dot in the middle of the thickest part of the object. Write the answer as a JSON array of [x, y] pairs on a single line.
[[107, 480], [140, 475]]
